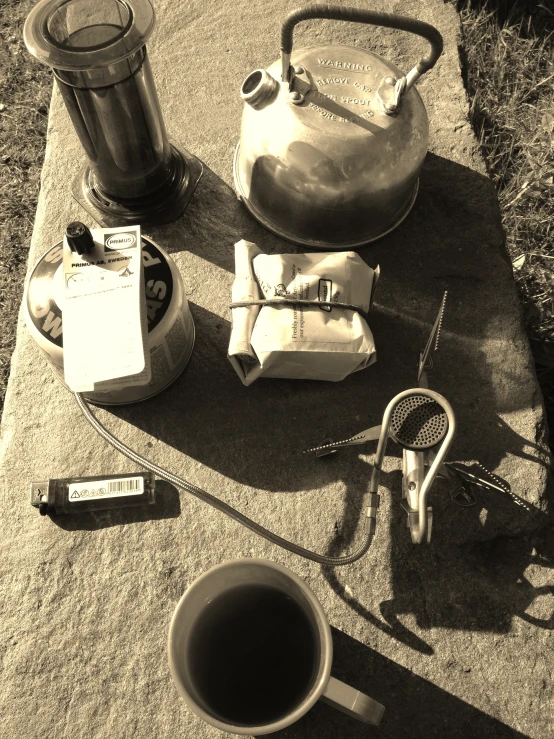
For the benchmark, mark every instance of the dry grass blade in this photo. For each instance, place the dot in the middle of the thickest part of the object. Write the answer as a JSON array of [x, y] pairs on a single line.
[[509, 50], [24, 99]]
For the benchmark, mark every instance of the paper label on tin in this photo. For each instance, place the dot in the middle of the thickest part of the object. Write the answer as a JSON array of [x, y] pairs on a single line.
[[113, 488], [104, 316]]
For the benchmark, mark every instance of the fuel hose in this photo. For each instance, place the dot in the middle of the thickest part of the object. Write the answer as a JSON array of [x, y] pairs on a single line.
[[179, 482]]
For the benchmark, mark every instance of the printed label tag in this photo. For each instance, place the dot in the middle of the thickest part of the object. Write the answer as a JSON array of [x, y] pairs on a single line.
[[104, 316], [94, 489]]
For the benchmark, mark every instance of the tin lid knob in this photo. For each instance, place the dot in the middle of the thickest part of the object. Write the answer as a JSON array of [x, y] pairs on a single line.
[[79, 238]]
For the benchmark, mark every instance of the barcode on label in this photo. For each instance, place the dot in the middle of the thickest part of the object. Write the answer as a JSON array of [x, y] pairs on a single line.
[[114, 488], [125, 486]]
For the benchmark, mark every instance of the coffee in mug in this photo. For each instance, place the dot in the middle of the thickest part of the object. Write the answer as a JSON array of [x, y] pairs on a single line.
[[254, 653], [250, 650]]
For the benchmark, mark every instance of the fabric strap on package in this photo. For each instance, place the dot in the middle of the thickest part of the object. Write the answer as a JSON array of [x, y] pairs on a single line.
[[104, 313], [300, 316]]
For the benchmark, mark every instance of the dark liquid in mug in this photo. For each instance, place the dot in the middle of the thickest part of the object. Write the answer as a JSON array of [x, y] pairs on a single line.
[[254, 655]]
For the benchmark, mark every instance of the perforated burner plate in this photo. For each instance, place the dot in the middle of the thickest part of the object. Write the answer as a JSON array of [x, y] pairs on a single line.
[[418, 422]]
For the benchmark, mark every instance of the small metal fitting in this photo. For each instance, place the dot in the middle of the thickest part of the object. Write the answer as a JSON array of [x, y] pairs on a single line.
[[259, 89], [296, 97], [374, 500], [299, 85], [390, 99]]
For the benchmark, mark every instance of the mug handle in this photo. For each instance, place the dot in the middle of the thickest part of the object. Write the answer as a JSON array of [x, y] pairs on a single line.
[[353, 702]]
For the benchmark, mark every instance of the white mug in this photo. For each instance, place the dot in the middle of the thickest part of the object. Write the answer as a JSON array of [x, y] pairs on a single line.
[[212, 607]]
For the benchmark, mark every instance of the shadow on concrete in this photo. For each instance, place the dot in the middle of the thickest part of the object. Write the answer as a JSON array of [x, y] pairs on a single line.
[[167, 505], [415, 707], [474, 587], [256, 435], [451, 241], [344, 541]]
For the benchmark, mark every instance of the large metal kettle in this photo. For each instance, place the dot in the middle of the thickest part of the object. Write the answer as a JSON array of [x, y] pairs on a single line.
[[332, 144]]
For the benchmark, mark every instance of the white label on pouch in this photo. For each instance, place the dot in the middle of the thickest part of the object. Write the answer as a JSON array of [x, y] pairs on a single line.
[[94, 489], [104, 317]]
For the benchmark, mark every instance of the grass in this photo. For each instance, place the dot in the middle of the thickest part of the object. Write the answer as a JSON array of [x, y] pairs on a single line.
[[509, 73], [25, 89]]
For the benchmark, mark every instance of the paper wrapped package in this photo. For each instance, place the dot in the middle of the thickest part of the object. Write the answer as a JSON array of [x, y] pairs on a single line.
[[300, 316]]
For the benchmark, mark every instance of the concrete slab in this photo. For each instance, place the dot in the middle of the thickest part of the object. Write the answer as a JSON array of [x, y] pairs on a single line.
[[452, 638]]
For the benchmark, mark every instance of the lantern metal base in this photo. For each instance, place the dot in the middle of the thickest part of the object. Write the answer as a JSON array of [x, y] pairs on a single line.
[[163, 206]]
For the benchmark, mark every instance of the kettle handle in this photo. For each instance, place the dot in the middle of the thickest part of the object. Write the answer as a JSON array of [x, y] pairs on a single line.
[[357, 15]]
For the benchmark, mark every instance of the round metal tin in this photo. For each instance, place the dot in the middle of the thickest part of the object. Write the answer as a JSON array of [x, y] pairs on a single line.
[[170, 324]]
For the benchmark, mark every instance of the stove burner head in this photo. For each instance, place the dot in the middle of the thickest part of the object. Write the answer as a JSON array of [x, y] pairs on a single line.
[[418, 422]]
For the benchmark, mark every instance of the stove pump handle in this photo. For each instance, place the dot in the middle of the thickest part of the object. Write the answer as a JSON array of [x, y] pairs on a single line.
[[357, 15]]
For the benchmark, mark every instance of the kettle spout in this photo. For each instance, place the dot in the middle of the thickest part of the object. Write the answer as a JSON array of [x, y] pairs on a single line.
[[259, 89]]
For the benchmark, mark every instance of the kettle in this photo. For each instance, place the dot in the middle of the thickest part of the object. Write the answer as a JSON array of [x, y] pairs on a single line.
[[332, 144]]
